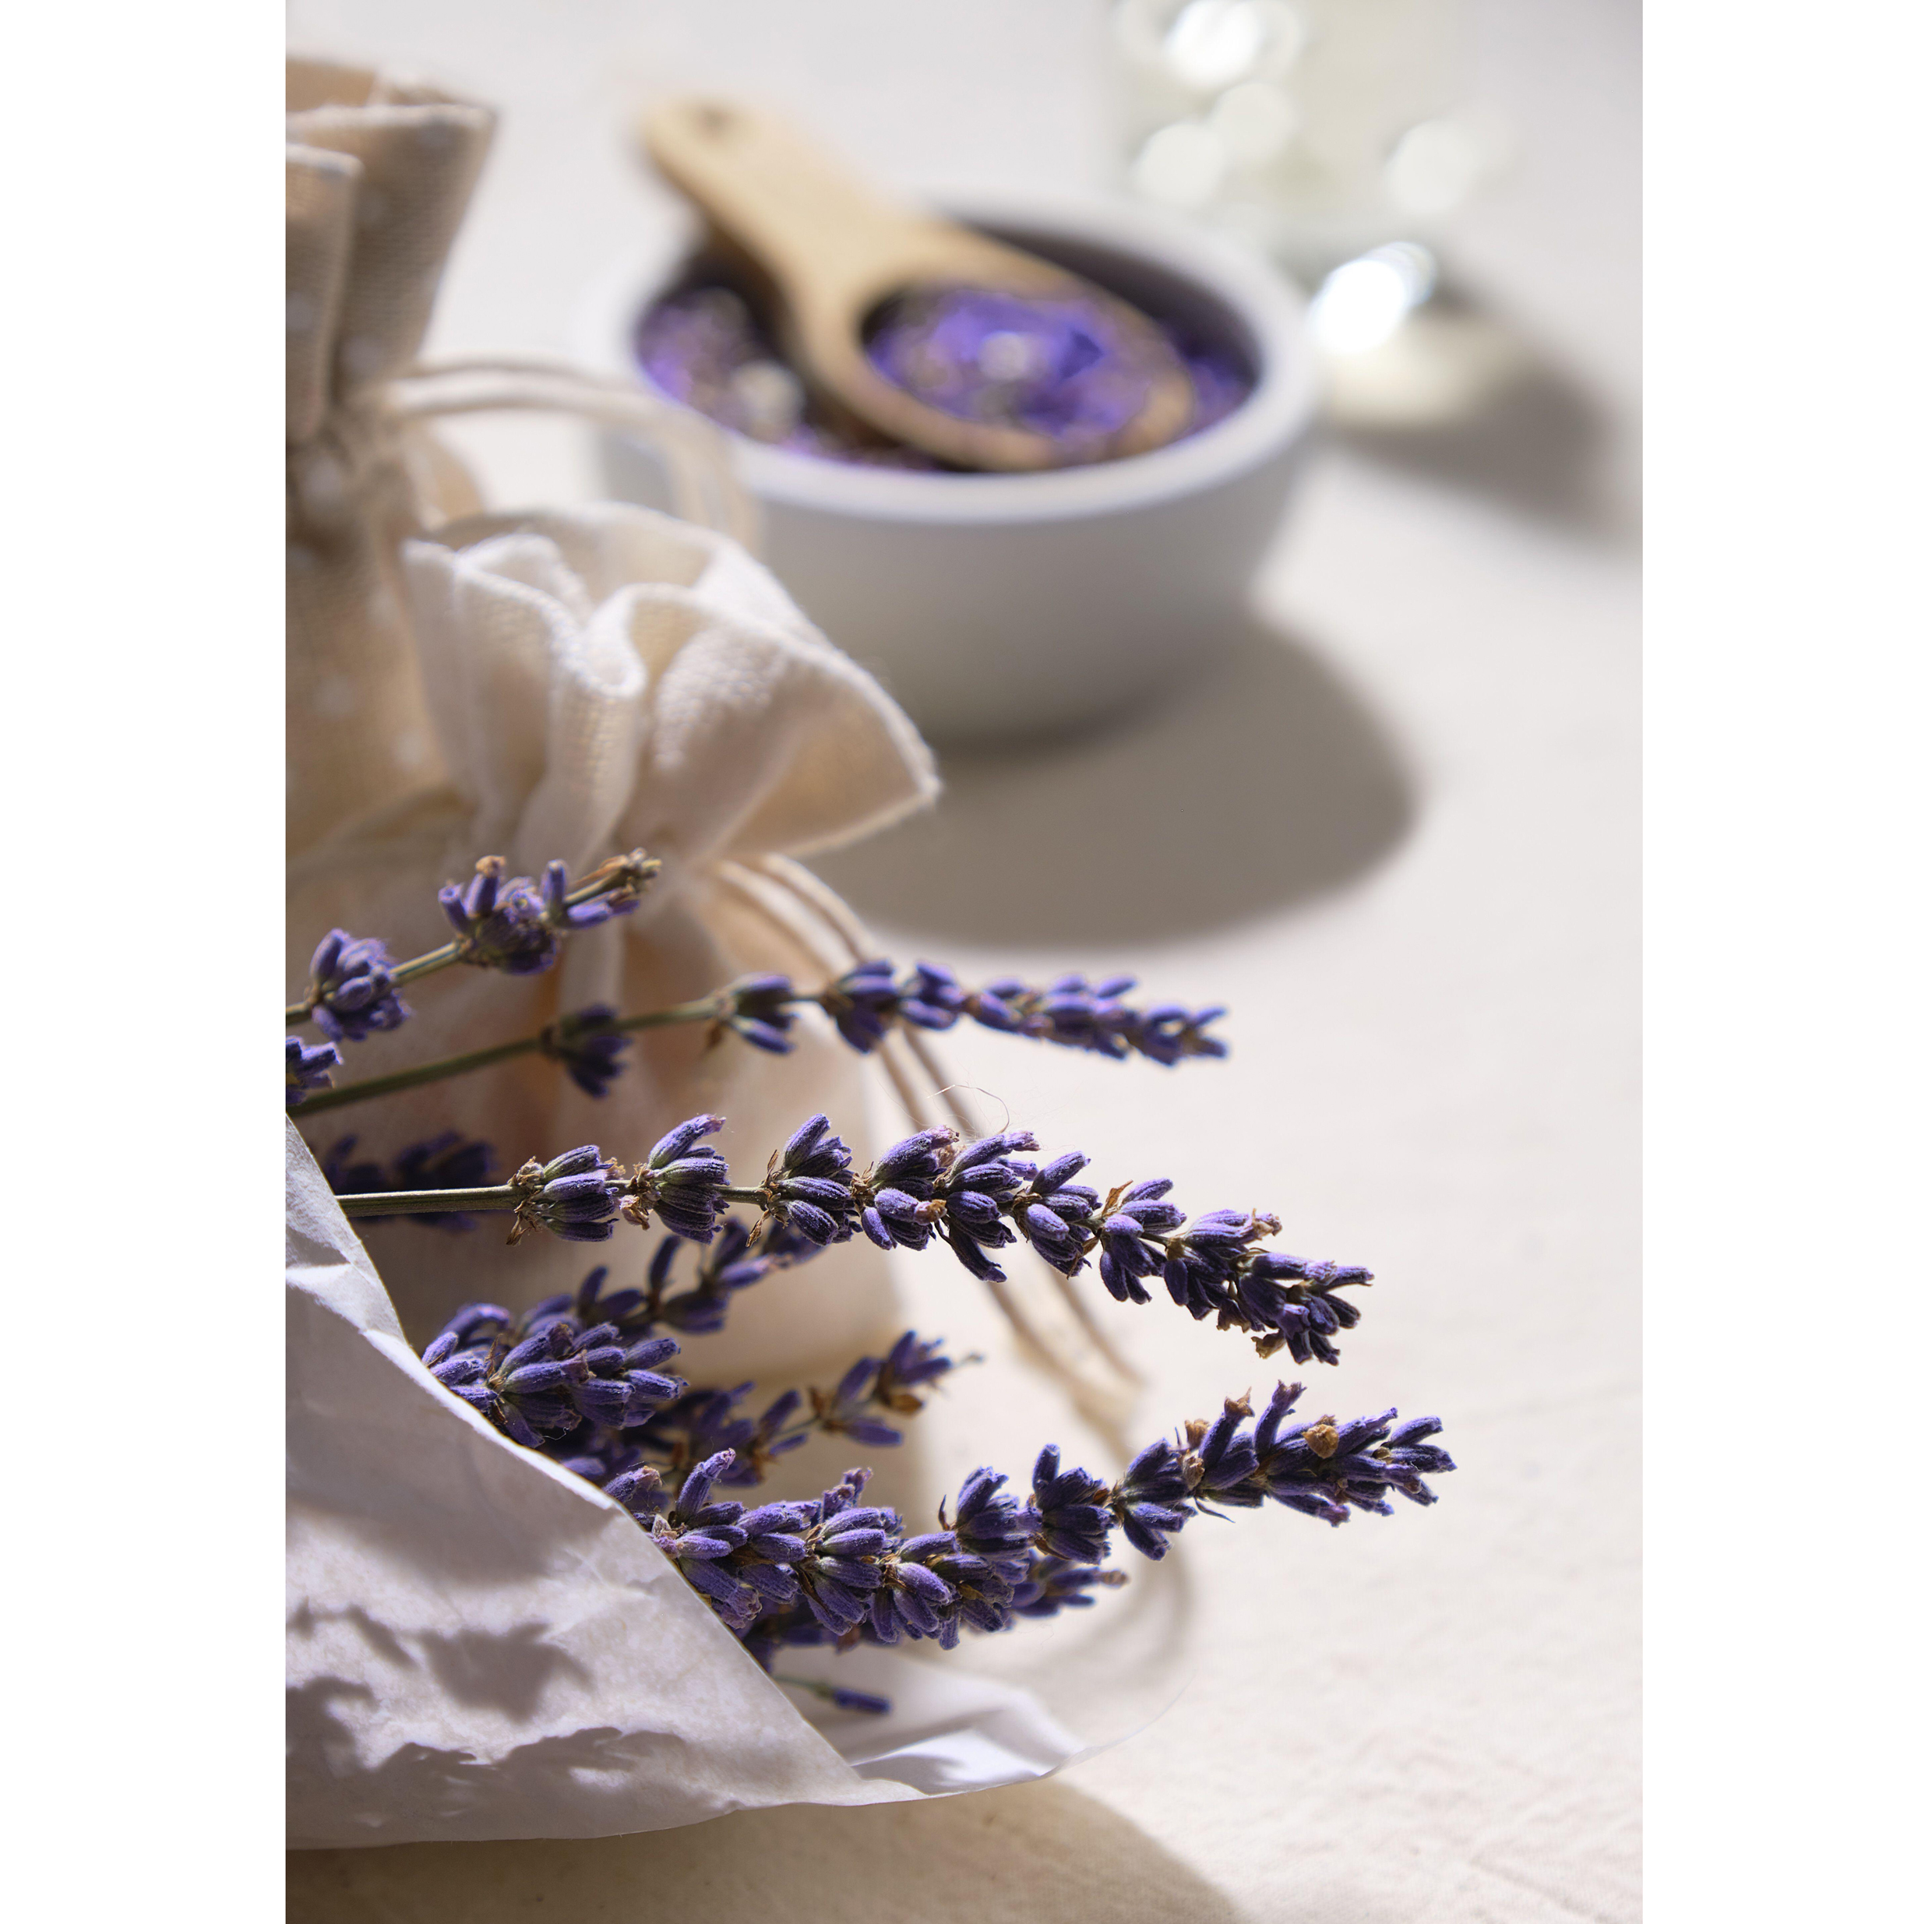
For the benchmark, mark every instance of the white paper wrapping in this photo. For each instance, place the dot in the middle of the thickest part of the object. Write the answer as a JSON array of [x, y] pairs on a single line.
[[483, 1646]]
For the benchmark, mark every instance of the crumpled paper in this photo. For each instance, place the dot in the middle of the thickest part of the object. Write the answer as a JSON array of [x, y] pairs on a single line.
[[482, 1646]]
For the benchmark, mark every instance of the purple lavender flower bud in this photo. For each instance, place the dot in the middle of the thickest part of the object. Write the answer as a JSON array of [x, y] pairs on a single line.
[[351, 994], [910, 1364], [1056, 1215], [681, 1183], [980, 1181], [692, 1498], [845, 1700], [991, 1522], [568, 916], [1224, 1459], [863, 1004], [1169, 1034], [592, 1304], [591, 1054], [308, 1067], [810, 1186], [1302, 1317], [1150, 1503], [1075, 1014], [931, 997], [501, 925], [1053, 1584], [758, 1008], [1408, 1459], [641, 1492], [1072, 1523], [576, 1196]]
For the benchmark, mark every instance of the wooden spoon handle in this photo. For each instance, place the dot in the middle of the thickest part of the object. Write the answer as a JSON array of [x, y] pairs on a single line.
[[834, 247]]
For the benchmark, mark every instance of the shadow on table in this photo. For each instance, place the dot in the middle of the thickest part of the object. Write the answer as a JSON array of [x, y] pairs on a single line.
[[1490, 413], [1031, 1851], [1266, 782]]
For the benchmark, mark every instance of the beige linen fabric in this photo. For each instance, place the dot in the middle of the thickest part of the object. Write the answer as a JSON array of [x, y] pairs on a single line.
[[379, 172], [599, 680]]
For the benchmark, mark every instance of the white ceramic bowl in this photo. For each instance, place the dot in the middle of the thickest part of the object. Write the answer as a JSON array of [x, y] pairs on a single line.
[[997, 605]]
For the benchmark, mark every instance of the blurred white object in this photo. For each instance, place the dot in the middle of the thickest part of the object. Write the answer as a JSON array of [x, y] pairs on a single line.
[[1319, 129], [1364, 301], [999, 605]]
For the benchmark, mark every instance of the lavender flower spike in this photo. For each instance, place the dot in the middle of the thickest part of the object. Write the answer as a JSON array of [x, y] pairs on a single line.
[[351, 994], [866, 1001], [309, 1066]]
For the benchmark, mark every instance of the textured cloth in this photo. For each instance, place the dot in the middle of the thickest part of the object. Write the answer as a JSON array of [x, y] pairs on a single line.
[[601, 680], [379, 172]]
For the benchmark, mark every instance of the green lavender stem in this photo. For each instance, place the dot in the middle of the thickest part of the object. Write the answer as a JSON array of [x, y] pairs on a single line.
[[705, 1009], [501, 1196]]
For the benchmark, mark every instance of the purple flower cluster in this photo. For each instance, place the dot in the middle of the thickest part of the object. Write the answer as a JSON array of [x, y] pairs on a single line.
[[577, 1195], [517, 925], [351, 994], [735, 1259], [976, 1199], [835, 1570], [1070, 1011], [549, 1373], [809, 1184], [448, 1162], [889, 1383], [591, 1051], [680, 1182], [309, 1066], [758, 1009], [1064, 368]]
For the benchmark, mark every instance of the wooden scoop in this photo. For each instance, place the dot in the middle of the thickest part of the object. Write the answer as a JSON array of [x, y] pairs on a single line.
[[830, 251]]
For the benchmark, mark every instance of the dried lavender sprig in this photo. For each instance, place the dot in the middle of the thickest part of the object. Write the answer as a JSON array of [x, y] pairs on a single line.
[[863, 1004], [975, 1198], [516, 925], [852, 1571]]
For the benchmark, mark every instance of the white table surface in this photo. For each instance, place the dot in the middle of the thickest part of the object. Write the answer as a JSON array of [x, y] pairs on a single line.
[[1396, 832]]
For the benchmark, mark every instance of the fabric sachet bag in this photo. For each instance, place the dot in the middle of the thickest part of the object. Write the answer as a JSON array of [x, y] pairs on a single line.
[[596, 680]]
